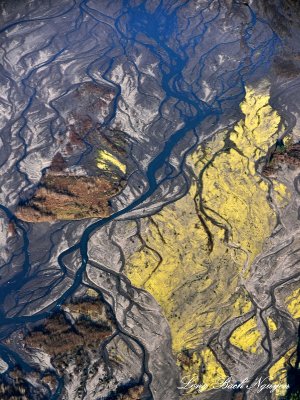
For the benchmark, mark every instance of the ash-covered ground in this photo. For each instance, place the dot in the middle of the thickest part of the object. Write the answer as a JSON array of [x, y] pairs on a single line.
[[149, 199]]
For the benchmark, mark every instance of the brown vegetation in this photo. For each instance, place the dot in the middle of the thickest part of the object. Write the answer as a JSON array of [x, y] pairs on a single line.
[[134, 393], [72, 339], [75, 139], [59, 336], [94, 310], [66, 197], [289, 156], [15, 388], [12, 231], [58, 163], [18, 385]]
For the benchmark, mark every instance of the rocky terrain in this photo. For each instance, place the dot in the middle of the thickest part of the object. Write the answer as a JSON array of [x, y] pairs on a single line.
[[149, 214], [67, 196], [87, 172], [76, 346], [283, 156]]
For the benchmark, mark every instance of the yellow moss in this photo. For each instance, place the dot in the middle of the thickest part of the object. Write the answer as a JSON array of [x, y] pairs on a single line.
[[242, 305], [198, 289], [117, 356], [187, 271], [259, 128], [281, 194], [247, 337], [271, 324], [232, 185], [201, 368], [92, 293], [288, 140], [278, 372], [105, 159], [293, 303], [214, 373], [190, 366]]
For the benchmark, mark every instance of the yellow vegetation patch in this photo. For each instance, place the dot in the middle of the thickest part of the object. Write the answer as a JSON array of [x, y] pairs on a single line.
[[271, 324], [92, 293], [234, 195], [247, 337], [196, 285], [293, 303], [190, 366], [106, 159], [212, 373], [197, 290], [278, 372], [281, 194], [242, 305]]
